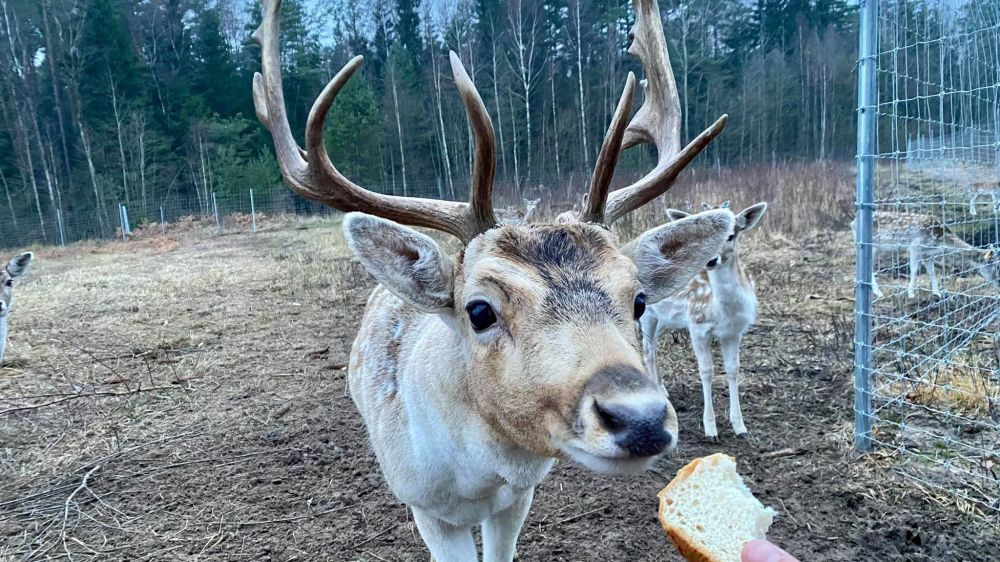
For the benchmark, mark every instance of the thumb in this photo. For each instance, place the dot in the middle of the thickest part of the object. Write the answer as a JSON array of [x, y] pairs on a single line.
[[761, 550]]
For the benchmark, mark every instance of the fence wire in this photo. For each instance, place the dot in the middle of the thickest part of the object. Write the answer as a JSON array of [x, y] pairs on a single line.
[[928, 235]]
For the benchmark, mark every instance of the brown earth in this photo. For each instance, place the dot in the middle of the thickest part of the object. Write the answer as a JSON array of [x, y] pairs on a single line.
[[185, 400]]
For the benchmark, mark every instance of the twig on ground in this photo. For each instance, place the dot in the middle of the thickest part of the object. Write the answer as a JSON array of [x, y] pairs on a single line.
[[581, 515], [69, 499], [373, 537]]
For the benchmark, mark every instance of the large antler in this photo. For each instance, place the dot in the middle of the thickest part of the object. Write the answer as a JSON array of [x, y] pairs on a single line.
[[311, 174], [658, 121]]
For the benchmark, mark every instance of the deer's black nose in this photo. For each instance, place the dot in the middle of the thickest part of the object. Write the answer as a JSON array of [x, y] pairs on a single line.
[[640, 431]]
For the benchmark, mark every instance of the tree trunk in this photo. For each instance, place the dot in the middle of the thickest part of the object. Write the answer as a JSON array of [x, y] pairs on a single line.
[[50, 57], [496, 100], [446, 159], [513, 121], [555, 119], [579, 74], [121, 140]]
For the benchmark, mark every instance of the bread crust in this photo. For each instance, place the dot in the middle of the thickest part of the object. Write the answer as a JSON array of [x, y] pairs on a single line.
[[685, 543]]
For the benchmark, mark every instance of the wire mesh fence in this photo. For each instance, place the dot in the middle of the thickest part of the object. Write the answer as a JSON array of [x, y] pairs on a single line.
[[927, 234], [54, 224]]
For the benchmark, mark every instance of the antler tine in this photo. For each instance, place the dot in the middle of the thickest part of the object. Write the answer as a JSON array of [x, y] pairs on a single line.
[[310, 172], [268, 96], [658, 120], [607, 159], [485, 161]]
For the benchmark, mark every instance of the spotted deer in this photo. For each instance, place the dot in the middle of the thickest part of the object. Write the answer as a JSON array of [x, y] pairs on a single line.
[[16, 267], [719, 303], [925, 239], [474, 372]]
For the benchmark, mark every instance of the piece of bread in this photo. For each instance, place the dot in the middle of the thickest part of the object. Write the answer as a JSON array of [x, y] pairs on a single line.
[[709, 512]]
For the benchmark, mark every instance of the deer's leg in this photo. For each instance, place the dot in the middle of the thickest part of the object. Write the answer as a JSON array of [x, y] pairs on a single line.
[[702, 344], [500, 531], [929, 266], [446, 542], [875, 290], [972, 204], [650, 337], [914, 252], [731, 359]]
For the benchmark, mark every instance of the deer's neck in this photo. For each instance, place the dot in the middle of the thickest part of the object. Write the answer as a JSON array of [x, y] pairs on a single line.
[[409, 374], [730, 279]]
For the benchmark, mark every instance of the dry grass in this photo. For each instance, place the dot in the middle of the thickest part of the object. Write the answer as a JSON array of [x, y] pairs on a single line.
[[802, 198]]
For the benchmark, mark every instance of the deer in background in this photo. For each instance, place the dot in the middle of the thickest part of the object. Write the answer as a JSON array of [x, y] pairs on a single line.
[[924, 239], [16, 267], [473, 372], [513, 215], [719, 303], [990, 189]]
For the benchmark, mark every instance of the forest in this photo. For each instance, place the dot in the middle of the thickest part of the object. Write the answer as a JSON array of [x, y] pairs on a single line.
[[146, 101]]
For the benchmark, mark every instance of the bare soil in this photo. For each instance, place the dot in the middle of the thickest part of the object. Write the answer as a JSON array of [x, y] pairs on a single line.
[[183, 398]]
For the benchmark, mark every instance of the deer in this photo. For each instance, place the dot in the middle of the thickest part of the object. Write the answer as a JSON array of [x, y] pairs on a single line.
[[572, 215], [474, 372], [989, 189], [924, 239], [513, 215], [16, 267], [719, 303]]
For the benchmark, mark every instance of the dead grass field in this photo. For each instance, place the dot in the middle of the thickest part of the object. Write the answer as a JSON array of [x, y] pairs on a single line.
[[183, 398]]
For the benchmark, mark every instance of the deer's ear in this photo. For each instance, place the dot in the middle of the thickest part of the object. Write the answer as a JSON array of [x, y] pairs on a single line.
[[18, 265], [675, 215], [749, 217], [409, 264], [668, 256]]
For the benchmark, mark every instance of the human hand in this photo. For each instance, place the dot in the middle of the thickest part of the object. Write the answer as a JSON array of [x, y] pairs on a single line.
[[762, 550]]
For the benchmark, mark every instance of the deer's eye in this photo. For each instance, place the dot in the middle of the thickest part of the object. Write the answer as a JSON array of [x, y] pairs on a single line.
[[8, 283], [481, 315], [731, 237], [640, 305]]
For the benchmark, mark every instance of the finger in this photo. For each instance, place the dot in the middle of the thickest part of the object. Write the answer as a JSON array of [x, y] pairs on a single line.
[[761, 550]]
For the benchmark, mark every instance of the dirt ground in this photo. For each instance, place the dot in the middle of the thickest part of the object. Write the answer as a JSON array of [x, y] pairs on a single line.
[[181, 399]]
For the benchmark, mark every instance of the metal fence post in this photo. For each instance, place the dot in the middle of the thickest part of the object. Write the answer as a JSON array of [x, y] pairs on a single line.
[[253, 213], [62, 234], [128, 226], [867, 110], [121, 221], [215, 209], [163, 222]]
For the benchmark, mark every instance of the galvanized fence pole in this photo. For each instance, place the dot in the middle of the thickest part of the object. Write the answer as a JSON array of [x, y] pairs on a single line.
[[163, 222], [121, 221], [867, 114], [62, 233], [253, 213], [128, 226], [215, 209]]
